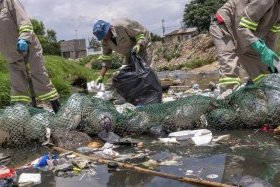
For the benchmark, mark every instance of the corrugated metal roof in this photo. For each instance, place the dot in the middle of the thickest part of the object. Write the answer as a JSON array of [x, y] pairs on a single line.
[[182, 31]]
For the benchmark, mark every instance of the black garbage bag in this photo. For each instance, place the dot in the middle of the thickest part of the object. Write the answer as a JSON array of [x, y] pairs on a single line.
[[137, 83]]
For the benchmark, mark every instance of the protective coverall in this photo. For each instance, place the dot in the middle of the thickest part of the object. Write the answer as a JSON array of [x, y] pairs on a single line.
[[237, 25], [125, 35], [15, 25]]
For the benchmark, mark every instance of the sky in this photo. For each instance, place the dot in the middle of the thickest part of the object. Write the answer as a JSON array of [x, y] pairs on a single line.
[[73, 19]]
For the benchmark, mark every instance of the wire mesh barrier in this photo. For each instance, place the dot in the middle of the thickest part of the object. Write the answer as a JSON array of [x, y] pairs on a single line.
[[271, 87], [249, 107], [223, 119]]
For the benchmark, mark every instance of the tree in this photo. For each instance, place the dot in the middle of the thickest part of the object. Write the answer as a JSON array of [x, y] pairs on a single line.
[[155, 37], [94, 43], [51, 35], [198, 13], [38, 27], [51, 47], [47, 38]]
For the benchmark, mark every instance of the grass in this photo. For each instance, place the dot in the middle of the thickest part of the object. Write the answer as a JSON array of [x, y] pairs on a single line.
[[96, 64], [61, 71], [169, 53], [189, 65], [198, 63]]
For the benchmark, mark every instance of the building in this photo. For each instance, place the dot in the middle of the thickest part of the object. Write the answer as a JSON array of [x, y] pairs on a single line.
[[73, 49], [94, 51], [180, 35]]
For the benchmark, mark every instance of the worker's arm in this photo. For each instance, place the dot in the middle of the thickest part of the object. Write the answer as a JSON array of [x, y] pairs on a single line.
[[253, 13], [251, 16], [106, 59], [22, 20], [23, 23], [139, 34]]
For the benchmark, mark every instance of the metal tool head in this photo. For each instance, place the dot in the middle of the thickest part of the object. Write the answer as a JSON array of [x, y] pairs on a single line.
[[276, 64]]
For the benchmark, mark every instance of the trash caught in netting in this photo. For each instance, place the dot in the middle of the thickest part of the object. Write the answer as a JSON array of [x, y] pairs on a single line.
[[249, 107]]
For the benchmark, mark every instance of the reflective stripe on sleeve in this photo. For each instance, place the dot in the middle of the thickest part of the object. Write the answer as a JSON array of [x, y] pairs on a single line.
[[248, 24]]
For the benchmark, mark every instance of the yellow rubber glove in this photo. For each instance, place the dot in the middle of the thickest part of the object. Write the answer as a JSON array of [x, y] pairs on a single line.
[[99, 79], [136, 48]]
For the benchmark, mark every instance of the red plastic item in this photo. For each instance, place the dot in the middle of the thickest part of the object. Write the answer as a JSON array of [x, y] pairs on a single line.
[[6, 172], [266, 128], [219, 18]]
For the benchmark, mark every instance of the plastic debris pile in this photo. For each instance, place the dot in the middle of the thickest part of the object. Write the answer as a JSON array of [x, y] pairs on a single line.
[[249, 107]]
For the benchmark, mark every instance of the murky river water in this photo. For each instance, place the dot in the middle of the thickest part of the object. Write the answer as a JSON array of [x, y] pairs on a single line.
[[247, 153]]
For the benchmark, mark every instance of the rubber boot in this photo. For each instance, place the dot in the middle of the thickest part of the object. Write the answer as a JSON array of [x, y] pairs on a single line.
[[55, 105], [250, 82]]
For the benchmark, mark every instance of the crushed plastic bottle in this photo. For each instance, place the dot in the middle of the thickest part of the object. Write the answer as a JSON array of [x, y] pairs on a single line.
[[7, 176]]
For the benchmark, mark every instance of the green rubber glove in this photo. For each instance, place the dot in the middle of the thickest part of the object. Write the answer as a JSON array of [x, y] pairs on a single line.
[[267, 55], [99, 79], [136, 48]]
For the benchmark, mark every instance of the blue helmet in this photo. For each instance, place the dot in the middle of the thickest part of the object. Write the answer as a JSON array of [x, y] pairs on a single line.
[[100, 29]]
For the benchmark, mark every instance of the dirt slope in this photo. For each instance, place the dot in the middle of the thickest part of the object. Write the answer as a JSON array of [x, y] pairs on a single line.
[[177, 55]]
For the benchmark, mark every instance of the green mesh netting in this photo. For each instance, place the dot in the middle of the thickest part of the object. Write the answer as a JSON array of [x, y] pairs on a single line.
[[271, 87], [249, 107], [36, 128], [14, 121], [104, 112], [73, 112], [184, 113], [223, 119]]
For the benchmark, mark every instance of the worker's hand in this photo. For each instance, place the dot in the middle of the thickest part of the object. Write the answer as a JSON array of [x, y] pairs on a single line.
[[22, 46], [136, 48], [99, 79], [267, 55]]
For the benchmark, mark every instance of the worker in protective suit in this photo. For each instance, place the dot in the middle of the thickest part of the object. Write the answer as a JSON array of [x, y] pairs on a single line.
[[245, 33], [121, 36], [16, 40]]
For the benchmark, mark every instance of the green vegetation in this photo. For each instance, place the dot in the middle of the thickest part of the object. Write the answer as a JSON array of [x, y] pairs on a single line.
[[96, 64], [169, 53], [198, 63], [198, 13], [189, 65], [94, 43], [4, 83], [155, 37], [63, 74], [47, 38]]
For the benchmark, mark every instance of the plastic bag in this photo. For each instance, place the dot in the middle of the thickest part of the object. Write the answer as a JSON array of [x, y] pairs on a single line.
[[137, 83]]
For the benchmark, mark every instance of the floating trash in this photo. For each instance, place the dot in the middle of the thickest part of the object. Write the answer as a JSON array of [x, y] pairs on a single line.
[[212, 176], [189, 172]]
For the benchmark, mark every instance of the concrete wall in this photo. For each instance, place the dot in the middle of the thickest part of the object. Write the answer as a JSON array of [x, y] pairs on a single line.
[[94, 51], [179, 37], [73, 48]]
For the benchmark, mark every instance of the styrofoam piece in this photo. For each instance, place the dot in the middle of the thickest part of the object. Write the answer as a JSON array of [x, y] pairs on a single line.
[[189, 172], [169, 140], [223, 138], [188, 134], [125, 107], [34, 178], [104, 95], [212, 176], [95, 87], [167, 99], [202, 139]]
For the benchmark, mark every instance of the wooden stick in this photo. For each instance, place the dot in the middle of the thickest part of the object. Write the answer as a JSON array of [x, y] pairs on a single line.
[[147, 171]]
